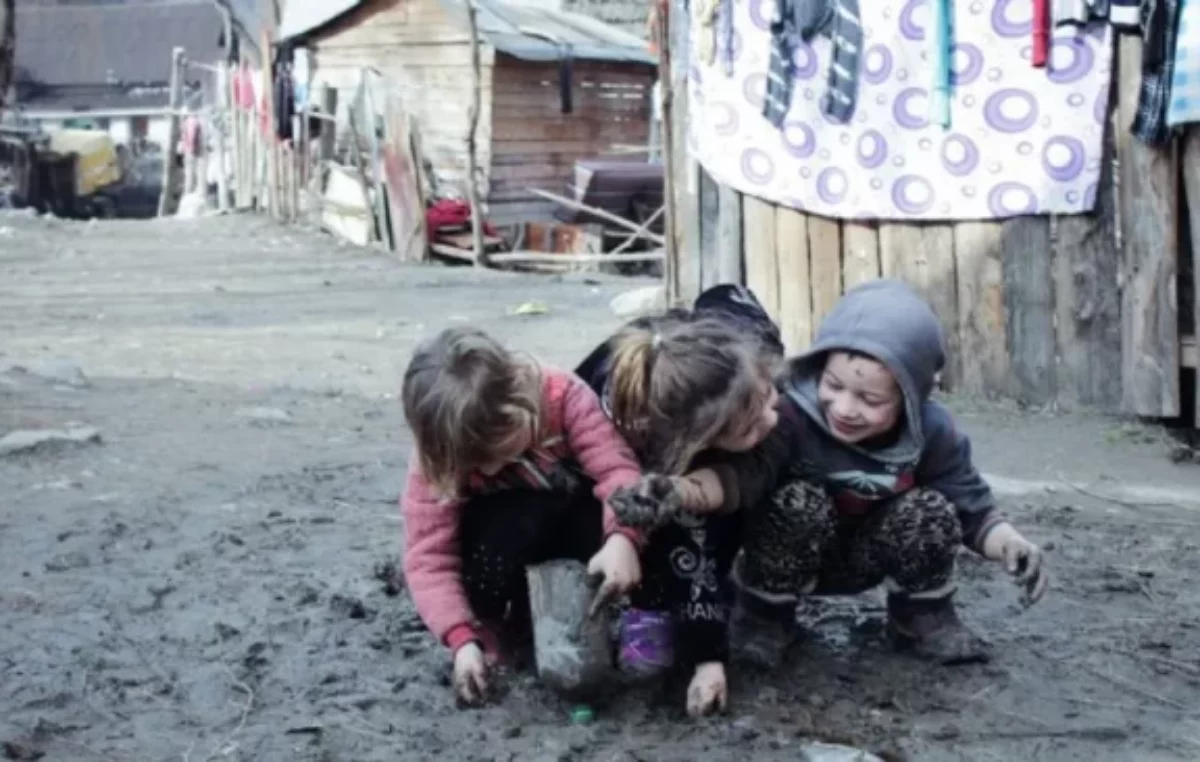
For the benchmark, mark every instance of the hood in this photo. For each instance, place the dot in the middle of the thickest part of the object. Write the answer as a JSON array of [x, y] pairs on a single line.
[[888, 320]]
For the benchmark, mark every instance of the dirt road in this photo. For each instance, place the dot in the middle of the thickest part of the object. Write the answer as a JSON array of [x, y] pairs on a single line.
[[209, 581]]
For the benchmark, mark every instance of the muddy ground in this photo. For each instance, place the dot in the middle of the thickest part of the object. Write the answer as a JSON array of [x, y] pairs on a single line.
[[204, 583]]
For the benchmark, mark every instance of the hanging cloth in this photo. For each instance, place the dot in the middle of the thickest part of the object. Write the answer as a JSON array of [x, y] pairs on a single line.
[[803, 19], [704, 21], [1185, 79], [1041, 33], [1072, 12], [942, 38], [1125, 14], [1158, 69]]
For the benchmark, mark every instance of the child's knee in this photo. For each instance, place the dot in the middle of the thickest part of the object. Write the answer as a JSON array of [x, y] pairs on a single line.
[[923, 520], [787, 537]]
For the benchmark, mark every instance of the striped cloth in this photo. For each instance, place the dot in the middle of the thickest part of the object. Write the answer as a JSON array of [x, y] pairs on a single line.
[[1184, 102]]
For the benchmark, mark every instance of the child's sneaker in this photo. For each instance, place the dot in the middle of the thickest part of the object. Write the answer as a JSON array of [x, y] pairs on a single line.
[[646, 642]]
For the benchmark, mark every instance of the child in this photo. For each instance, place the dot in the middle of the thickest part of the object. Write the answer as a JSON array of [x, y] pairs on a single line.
[[504, 453], [879, 486], [677, 386]]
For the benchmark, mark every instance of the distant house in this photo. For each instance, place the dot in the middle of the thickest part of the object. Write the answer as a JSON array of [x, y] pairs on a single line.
[[556, 87], [109, 66]]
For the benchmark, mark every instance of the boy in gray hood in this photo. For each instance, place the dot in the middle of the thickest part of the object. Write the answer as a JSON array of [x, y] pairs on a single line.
[[866, 481]]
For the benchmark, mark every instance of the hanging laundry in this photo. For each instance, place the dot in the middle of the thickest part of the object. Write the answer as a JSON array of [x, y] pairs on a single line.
[[801, 20], [727, 39], [1185, 81], [1072, 12], [1158, 68], [704, 22], [942, 38], [1125, 14], [285, 102], [1041, 33]]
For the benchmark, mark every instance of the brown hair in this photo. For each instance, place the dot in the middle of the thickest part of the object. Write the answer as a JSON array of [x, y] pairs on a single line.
[[677, 382], [463, 393]]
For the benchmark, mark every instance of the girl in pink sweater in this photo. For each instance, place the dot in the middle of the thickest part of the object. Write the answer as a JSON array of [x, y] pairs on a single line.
[[506, 451]]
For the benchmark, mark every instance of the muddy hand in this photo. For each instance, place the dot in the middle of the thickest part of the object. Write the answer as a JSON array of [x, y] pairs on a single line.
[[651, 502], [708, 692], [470, 674], [1023, 560], [618, 567]]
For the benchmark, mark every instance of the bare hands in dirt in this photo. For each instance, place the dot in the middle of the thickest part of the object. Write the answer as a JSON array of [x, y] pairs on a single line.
[[650, 503], [470, 674], [619, 569], [1023, 560], [708, 692]]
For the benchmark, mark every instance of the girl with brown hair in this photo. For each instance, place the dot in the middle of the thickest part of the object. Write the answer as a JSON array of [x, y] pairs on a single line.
[[506, 451], [681, 388]]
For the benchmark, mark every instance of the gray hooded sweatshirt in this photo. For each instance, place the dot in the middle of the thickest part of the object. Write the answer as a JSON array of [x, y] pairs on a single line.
[[889, 321]]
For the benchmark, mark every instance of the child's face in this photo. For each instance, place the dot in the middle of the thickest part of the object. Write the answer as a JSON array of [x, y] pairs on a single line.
[[746, 431], [859, 397], [507, 450]]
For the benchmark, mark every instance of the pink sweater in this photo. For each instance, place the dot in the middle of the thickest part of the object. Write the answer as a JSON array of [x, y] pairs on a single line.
[[574, 427]]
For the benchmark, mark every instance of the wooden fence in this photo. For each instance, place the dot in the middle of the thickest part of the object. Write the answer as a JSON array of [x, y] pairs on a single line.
[[1074, 311]]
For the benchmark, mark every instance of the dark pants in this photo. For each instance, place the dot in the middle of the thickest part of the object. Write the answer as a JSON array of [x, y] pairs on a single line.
[[502, 533], [798, 544]]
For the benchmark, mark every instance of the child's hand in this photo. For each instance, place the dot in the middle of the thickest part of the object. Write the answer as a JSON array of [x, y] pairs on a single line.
[[650, 503], [470, 673], [1023, 560], [617, 562], [708, 692]]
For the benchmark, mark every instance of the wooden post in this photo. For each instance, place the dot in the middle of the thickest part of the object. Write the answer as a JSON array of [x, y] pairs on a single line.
[[270, 141], [571, 647], [238, 145], [329, 104], [297, 154], [1150, 348], [670, 153], [170, 173], [377, 179], [1191, 184], [472, 149], [982, 317], [222, 122], [729, 235]]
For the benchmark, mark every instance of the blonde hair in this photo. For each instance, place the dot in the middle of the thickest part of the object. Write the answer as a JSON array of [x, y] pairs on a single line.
[[676, 383], [463, 393]]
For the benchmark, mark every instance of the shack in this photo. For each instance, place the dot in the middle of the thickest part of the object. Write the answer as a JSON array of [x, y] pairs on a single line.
[[555, 87]]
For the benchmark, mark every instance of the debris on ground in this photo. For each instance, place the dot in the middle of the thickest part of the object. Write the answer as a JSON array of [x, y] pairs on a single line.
[[28, 440]]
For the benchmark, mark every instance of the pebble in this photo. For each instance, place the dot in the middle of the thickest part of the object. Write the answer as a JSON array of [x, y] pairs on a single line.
[[27, 440]]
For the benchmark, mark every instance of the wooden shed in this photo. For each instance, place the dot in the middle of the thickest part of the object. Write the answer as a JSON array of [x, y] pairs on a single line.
[[555, 86]]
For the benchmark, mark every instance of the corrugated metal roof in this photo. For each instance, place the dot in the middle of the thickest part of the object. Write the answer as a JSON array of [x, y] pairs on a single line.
[[528, 31], [537, 33], [302, 17]]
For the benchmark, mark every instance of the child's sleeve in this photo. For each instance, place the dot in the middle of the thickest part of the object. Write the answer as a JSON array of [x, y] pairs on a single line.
[[601, 451], [946, 466], [432, 563], [750, 477]]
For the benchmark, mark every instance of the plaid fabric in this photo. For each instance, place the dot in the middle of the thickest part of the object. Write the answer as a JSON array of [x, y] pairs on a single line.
[[1185, 82], [847, 36], [780, 68], [1160, 21]]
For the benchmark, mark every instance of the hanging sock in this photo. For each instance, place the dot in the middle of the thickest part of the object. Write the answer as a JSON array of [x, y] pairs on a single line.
[[942, 38], [1041, 33], [1158, 70], [704, 16], [1184, 104], [778, 97], [1125, 14], [725, 32], [1072, 12], [842, 93]]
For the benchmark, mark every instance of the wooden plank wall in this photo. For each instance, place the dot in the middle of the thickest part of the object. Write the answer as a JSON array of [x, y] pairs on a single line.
[[1047, 310], [424, 54], [536, 145]]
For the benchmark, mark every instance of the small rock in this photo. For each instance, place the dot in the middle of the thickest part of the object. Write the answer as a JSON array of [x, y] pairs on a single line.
[[61, 370], [28, 440], [639, 302], [350, 607], [826, 752], [513, 731], [67, 562], [265, 416]]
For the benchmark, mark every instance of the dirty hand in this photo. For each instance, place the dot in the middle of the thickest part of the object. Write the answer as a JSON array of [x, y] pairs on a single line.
[[470, 673], [617, 563], [650, 503], [708, 692], [1023, 560]]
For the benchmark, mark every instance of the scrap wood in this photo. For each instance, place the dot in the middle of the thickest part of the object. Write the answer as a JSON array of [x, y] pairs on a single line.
[[610, 217], [644, 228], [531, 257]]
